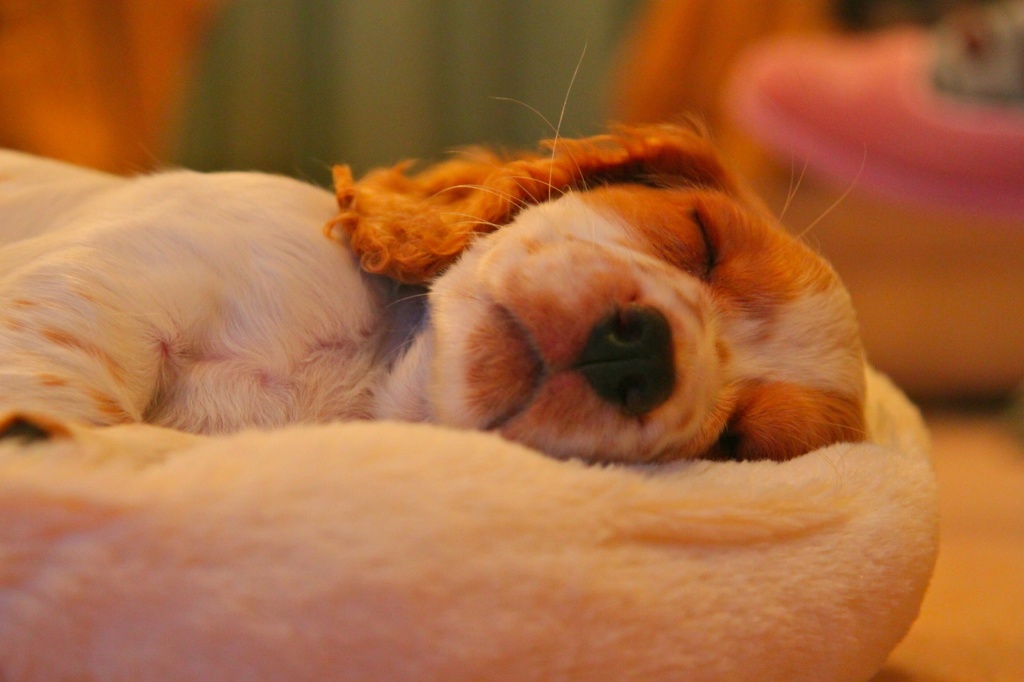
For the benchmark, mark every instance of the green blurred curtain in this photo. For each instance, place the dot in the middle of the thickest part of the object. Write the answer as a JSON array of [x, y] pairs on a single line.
[[293, 86]]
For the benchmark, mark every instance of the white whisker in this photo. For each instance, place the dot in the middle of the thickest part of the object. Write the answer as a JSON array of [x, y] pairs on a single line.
[[490, 190], [410, 297], [838, 201], [561, 116], [523, 104], [793, 188], [475, 219]]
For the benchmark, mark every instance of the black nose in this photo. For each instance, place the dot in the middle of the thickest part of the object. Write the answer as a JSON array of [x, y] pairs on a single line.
[[628, 358]]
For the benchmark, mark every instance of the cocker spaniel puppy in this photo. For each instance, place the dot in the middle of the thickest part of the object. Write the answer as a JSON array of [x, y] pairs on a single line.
[[616, 298]]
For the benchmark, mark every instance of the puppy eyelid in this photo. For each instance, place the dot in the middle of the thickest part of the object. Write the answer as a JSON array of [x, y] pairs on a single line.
[[710, 252]]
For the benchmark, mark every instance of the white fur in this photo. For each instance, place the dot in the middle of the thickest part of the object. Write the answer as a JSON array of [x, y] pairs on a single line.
[[809, 344]]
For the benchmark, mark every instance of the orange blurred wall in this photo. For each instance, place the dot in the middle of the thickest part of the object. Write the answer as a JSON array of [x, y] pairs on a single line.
[[95, 82]]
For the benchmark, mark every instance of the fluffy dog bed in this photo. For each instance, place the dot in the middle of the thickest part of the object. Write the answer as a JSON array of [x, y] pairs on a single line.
[[378, 551]]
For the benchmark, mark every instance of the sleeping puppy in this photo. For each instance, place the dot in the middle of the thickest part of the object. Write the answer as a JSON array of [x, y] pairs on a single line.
[[616, 298]]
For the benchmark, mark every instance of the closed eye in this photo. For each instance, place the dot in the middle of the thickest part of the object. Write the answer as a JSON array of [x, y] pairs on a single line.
[[710, 252]]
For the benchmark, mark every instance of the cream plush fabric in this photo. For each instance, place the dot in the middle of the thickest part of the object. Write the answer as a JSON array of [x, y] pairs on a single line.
[[382, 551]]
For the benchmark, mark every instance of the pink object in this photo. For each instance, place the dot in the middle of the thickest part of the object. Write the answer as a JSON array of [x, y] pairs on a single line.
[[865, 111]]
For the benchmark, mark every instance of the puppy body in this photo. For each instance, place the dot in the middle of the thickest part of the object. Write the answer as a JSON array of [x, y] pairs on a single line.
[[206, 303], [212, 302]]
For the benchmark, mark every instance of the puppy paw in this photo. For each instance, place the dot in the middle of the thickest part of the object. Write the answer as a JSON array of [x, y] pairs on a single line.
[[31, 428]]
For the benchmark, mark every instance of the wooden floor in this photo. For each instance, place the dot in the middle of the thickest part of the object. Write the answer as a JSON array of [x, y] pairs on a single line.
[[971, 627]]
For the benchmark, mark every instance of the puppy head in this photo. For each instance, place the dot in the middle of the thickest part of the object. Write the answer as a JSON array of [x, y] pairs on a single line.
[[635, 304]]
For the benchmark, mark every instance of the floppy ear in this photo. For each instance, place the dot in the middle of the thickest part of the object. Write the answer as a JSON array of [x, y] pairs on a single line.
[[411, 227]]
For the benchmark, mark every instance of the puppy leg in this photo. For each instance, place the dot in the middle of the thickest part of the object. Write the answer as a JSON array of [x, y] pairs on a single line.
[[64, 355]]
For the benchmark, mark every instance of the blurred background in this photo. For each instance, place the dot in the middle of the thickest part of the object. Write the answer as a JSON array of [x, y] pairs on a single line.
[[292, 86]]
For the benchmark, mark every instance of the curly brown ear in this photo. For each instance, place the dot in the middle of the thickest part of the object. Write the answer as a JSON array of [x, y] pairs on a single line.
[[411, 227]]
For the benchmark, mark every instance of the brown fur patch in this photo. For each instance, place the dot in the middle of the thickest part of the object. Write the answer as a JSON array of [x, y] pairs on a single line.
[[68, 340], [109, 407], [752, 266], [780, 421], [502, 369]]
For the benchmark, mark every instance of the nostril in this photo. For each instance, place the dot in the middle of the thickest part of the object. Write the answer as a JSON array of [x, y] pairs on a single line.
[[629, 324], [628, 358], [632, 394]]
